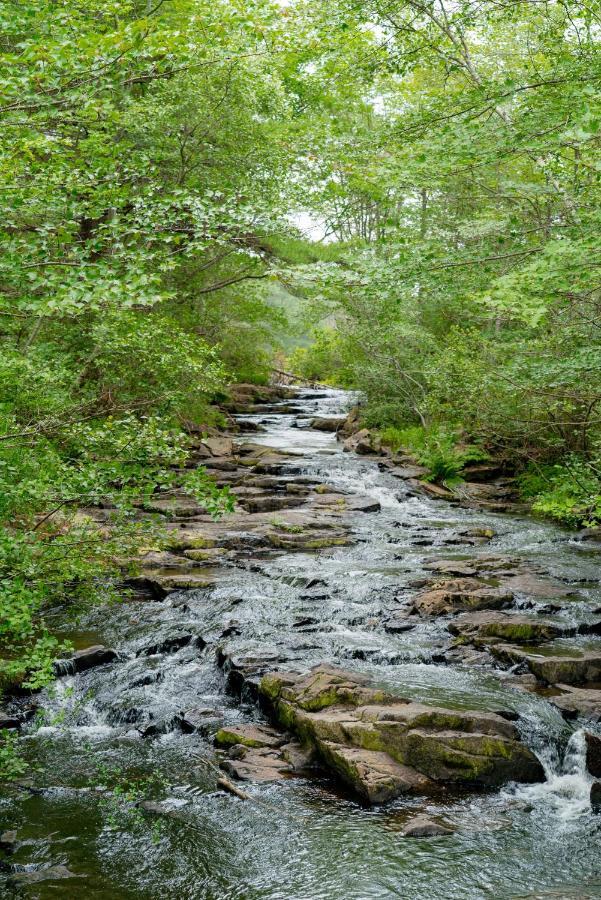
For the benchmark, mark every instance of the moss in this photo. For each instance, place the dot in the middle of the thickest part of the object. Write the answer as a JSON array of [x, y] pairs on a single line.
[[522, 633], [325, 698], [184, 542], [270, 687], [440, 720], [286, 714], [227, 738]]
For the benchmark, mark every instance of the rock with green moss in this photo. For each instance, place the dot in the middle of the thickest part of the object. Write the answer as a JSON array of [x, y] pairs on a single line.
[[382, 745], [484, 627], [555, 665], [373, 775], [249, 736]]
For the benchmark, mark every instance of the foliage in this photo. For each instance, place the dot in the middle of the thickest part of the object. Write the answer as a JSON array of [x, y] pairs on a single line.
[[439, 449], [570, 491], [11, 762], [140, 186], [464, 180]]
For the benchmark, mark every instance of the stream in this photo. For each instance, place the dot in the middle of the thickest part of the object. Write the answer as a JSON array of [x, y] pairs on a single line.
[[301, 838]]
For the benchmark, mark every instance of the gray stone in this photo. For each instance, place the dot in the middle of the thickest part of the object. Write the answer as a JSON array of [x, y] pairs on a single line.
[[422, 826]]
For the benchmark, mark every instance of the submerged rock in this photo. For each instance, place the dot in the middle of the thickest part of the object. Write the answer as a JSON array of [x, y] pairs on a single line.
[[423, 826], [335, 712]]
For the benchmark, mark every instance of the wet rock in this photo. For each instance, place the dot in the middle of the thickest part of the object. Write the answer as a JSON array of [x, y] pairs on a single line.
[[573, 702], [596, 796], [590, 534], [423, 826], [198, 718], [484, 626], [258, 764], [567, 667], [243, 673], [274, 503], [398, 624], [47, 873], [302, 623], [362, 504], [304, 542], [372, 774], [451, 567], [249, 736], [297, 756], [160, 584], [542, 588], [330, 423], [172, 644], [146, 680], [97, 655], [593, 754], [463, 594], [334, 711], [159, 726], [363, 442]]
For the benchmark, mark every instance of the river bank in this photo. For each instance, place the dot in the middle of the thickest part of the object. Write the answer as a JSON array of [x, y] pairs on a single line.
[[337, 562]]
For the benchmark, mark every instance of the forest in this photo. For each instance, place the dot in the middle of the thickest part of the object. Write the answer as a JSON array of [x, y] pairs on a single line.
[[401, 200]]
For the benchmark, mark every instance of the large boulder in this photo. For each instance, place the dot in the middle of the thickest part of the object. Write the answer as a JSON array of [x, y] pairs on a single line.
[[363, 442], [327, 423], [338, 713]]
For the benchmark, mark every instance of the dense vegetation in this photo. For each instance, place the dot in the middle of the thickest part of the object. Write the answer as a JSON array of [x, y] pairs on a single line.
[[466, 187], [153, 156]]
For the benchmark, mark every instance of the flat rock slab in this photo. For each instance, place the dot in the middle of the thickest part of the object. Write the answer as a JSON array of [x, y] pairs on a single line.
[[539, 588], [574, 702], [567, 666], [452, 567], [249, 736], [331, 423], [258, 764], [485, 626]]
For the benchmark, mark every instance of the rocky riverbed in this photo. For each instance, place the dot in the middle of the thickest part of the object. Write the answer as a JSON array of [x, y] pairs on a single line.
[[403, 685]]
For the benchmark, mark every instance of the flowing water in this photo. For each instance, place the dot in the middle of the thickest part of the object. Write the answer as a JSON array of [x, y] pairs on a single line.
[[300, 839]]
